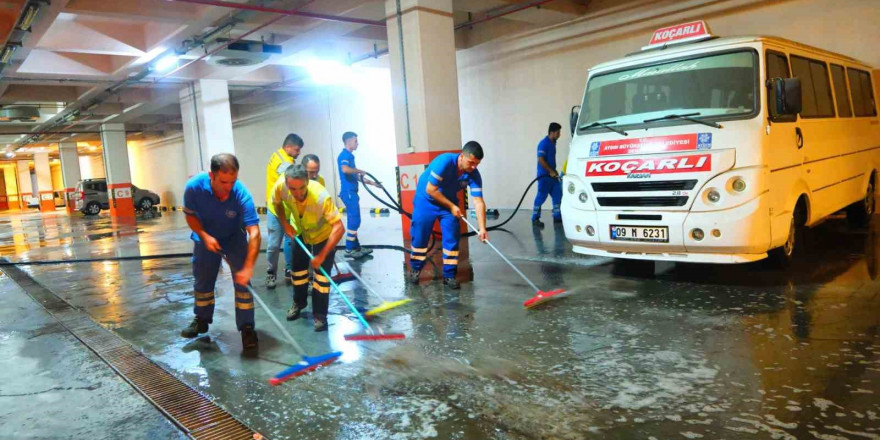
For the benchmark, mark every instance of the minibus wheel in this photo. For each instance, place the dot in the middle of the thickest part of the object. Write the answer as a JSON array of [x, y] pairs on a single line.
[[784, 255], [859, 214]]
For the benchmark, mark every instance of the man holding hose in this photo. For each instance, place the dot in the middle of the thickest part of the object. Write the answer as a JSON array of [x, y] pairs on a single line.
[[316, 219], [437, 199]]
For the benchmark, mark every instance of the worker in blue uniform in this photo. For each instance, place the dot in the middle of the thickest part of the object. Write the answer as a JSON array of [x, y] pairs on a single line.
[[348, 193], [548, 177], [437, 199], [220, 211]]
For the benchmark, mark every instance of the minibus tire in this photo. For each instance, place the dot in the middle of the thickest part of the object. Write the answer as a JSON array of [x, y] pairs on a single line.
[[859, 213], [784, 255]]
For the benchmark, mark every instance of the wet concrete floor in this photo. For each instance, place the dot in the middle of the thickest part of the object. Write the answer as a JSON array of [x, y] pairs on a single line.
[[692, 351]]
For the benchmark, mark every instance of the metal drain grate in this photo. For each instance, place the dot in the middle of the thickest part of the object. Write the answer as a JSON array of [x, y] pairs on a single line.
[[192, 412]]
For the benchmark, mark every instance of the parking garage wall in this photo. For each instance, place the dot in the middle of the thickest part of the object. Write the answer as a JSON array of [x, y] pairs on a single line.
[[320, 115], [512, 87]]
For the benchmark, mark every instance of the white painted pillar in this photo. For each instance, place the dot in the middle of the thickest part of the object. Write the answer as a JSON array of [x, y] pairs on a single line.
[[424, 89], [207, 123], [44, 182], [118, 172], [26, 190], [69, 171]]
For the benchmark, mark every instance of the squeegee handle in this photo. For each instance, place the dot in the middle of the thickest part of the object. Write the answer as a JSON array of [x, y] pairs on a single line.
[[363, 283], [277, 323], [333, 283], [505, 258]]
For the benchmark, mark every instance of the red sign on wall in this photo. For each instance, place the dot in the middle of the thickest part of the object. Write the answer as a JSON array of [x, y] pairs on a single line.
[[695, 30], [655, 165]]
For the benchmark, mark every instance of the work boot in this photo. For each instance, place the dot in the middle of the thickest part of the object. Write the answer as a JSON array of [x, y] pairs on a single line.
[[195, 328], [536, 222], [354, 255], [414, 276], [270, 280], [248, 338], [288, 275], [293, 313], [452, 283], [320, 323], [365, 251]]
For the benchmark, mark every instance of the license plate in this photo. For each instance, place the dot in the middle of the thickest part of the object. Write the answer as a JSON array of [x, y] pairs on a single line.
[[651, 234]]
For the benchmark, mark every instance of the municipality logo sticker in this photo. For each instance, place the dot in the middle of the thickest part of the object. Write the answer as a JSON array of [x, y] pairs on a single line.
[[704, 141], [594, 149], [231, 214]]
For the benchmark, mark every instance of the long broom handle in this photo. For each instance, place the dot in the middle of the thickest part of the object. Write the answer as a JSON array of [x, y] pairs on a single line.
[[272, 316], [277, 323], [504, 258], [363, 283], [338, 290]]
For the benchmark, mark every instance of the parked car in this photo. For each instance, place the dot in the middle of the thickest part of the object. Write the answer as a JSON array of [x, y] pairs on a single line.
[[91, 197]]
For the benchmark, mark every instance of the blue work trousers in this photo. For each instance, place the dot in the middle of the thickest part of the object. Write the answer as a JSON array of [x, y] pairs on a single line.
[[352, 203], [548, 187], [206, 266], [424, 215]]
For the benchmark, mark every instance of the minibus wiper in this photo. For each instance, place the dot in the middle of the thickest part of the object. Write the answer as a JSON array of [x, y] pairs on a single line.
[[607, 125], [686, 116]]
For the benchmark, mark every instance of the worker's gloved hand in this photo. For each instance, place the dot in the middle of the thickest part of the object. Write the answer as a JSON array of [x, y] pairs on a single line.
[[456, 212], [210, 243]]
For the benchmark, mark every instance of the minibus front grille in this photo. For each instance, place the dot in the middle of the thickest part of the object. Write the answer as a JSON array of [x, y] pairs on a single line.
[[664, 185], [642, 201]]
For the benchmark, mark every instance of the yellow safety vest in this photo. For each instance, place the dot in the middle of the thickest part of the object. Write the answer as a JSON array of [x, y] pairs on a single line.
[[278, 163], [316, 220]]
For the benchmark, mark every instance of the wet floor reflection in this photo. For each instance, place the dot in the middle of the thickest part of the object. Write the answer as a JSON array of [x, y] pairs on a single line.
[[694, 351]]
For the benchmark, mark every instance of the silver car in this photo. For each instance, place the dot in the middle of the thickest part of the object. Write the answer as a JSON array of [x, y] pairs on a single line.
[[91, 197]]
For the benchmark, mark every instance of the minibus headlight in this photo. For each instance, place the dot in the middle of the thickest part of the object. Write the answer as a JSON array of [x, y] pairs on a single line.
[[571, 187], [713, 196], [583, 197], [738, 185]]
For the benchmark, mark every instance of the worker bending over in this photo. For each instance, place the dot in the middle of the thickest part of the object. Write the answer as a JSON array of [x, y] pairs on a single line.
[[220, 211], [437, 199], [316, 220]]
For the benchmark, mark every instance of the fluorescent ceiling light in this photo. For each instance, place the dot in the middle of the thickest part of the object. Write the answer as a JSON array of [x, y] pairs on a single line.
[[165, 63]]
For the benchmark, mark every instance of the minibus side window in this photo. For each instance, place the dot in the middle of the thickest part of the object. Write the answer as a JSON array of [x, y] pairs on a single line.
[[815, 89], [777, 67], [862, 92], [840, 92]]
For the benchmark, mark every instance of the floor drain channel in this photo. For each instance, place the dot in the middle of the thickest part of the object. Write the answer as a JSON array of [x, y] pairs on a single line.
[[191, 411]]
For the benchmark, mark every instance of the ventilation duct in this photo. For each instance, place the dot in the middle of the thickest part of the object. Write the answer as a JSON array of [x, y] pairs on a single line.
[[20, 114], [243, 53]]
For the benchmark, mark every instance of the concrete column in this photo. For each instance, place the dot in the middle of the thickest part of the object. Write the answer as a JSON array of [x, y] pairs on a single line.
[[207, 123], [118, 171], [424, 86], [9, 181], [4, 200], [44, 182], [69, 171], [26, 190]]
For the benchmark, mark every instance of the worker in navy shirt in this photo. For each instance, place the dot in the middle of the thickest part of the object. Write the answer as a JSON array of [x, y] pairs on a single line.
[[437, 199], [548, 178], [220, 211], [348, 193]]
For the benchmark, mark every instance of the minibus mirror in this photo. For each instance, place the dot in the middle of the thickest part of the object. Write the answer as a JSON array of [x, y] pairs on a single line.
[[788, 95], [573, 118]]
